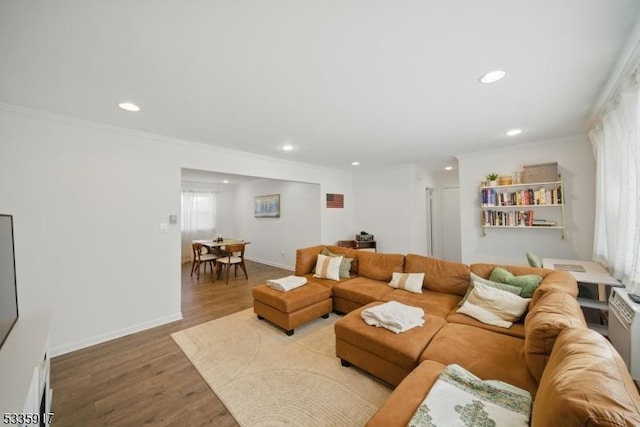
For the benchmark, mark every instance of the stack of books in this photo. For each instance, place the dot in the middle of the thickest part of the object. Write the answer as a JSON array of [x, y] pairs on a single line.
[[543, 223]]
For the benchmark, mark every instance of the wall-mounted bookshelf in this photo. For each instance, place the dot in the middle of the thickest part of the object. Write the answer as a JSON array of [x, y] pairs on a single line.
[[533, 206]]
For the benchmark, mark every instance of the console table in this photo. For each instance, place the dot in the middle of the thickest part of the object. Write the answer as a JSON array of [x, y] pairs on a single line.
[[365, 245]]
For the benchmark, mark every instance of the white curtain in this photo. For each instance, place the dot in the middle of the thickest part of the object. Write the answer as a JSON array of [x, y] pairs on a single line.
[[198, 219], [616, 141]]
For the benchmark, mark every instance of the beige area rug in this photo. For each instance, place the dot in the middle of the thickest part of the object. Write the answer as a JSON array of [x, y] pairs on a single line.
[[266, 378]]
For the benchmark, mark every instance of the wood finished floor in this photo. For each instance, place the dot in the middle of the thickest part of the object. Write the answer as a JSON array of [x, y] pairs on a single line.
[[144, 378]]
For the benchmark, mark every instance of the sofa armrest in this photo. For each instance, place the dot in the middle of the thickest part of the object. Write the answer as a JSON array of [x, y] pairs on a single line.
[[407, 396], [306, 259], [585, 383], [554, 312]]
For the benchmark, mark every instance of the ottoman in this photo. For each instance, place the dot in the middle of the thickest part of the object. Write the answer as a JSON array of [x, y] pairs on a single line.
[[293, 308], [385, 354]]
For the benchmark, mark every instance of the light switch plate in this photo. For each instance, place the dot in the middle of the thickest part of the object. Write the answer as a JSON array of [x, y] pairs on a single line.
[[163, 228]]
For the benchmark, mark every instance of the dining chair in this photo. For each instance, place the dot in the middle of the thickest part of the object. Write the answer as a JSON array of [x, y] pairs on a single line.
[[202, 256], [234, 257]]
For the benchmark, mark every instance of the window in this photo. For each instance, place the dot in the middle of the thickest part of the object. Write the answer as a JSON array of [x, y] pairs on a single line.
[[198, 219], [617, 229]]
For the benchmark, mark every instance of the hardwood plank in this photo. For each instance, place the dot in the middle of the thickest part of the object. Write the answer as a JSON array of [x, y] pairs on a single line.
[[144, 378]]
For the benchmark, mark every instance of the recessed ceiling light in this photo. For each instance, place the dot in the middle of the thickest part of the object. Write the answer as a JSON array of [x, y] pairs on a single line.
[[355, 163], [448, 168], [225, 181], [493, 76], [514, 132], [129, 106], [287, 147]]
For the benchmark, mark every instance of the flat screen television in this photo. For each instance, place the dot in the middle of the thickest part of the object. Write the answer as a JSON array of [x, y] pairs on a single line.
[[8, 291]]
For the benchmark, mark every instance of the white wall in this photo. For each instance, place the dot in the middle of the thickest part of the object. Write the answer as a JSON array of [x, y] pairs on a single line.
[[87, 202], [274, 240], [577, 167], [391, 205]]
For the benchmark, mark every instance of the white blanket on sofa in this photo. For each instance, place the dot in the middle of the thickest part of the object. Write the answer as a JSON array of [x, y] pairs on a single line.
[[288, 283], [459, 398], [394, 316]]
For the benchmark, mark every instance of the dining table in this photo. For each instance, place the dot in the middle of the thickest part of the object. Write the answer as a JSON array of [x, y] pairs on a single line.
[[217, 247], [221, 243]]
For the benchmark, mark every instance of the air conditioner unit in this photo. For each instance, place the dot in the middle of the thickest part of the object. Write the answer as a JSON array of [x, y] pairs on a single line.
[[624, 329]]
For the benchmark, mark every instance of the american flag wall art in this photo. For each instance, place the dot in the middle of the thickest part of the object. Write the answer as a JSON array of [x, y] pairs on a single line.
[[335, 200]]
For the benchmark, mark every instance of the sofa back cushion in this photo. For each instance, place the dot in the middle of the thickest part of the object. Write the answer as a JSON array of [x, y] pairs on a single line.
[[586, 383], [555, 281], [377, 266], [485, 270], [554, 312], [439, 275], [306, 259]]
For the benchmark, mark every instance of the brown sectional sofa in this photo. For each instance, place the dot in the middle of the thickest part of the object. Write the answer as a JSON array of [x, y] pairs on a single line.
[[549, 352]]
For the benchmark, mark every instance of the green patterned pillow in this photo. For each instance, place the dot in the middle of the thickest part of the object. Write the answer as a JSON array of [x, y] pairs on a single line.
[[528, 282]]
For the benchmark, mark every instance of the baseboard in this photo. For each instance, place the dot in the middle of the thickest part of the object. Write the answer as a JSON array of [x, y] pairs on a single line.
[[78, 345], [271, 263]]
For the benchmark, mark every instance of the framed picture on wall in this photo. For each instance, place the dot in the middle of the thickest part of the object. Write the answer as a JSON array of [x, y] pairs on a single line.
[[267, 206]]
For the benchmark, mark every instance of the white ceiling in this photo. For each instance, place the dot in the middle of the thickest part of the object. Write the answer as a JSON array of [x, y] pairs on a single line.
[[379, 81]]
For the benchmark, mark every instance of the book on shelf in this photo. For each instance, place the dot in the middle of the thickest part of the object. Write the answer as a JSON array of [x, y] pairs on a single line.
[[508, 218], [524, 197]]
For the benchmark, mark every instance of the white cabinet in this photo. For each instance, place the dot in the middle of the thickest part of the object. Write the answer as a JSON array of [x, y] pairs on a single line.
[[534, 206], [25, 386]]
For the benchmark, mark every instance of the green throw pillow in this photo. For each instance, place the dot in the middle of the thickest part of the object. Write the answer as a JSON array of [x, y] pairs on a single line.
[[528, 282], [345, 265], [516, 290], [534, 260]]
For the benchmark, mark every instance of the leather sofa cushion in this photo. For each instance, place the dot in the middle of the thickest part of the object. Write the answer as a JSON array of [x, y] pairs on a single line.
[[361, 290], [555, 281], [439, 275], [585, 383], [403, 349], [486, 354], [306, 259], [296, 299], [327, 283], [516, 330], [407, 397], [553, 312], [435, 303], [378, 266], [484, 270]]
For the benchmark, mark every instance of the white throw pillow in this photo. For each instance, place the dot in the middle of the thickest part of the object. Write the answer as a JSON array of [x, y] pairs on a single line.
[[411, 282], [494, 306], [328, 267]]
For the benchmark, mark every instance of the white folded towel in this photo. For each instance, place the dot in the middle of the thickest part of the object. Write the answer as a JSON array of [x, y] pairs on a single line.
[[286, 283], [394, 316]]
